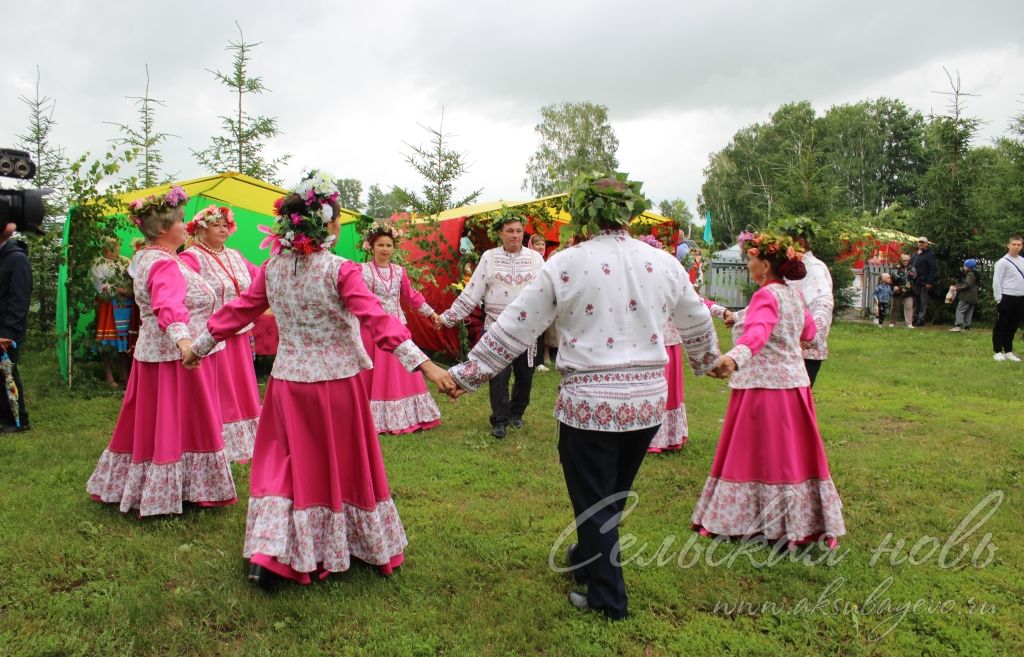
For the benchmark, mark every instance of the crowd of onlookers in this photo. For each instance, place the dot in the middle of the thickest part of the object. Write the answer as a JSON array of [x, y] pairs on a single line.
[[906, 290]]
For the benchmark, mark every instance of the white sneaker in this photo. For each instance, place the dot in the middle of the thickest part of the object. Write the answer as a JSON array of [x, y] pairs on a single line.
[[1011, 356], [998, 356], [955, 329], [880, 326], [542, 368], [911, 326], [891, 325]]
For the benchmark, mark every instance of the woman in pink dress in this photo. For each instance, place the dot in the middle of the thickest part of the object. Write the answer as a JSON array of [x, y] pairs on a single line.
[[398, 399], [229, 274], [672, 435], [167, 447], [770, 477], [318, 490]]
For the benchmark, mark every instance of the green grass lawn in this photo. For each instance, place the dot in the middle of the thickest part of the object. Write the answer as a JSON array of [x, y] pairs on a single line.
[[920, 427]]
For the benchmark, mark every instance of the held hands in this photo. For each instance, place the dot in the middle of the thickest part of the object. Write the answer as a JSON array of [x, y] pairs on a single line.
[[440, 378], [723, 368], [438, 324], [729, 318], [188, 358]]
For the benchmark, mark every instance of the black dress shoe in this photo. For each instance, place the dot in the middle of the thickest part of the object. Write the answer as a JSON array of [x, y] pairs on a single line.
[[10, 428], [498, 431], [263, 578], [516, 422], [578, 573]]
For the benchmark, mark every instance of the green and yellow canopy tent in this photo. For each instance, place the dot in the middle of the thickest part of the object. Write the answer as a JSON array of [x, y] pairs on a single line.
[[252, 202], [546, 215]]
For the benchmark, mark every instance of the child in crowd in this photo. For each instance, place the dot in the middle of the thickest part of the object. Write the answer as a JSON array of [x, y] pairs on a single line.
[[883, 295], [966, 296]]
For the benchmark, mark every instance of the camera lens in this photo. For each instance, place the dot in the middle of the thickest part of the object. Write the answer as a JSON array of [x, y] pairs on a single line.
[[22, 168], [6, 165]]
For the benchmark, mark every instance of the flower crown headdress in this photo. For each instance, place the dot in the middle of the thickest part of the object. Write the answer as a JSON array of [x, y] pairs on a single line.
[[766, 245], [303, 229], [598, 200], [140, 207], [209, 215], [504, 216], [381, 227]]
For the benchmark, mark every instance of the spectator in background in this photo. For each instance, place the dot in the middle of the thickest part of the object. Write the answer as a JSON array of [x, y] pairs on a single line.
[[883, 295], [15, 293], [1008, 290], [922, 275], [540, 245], [696, 271], [966, 297], [902, 295]]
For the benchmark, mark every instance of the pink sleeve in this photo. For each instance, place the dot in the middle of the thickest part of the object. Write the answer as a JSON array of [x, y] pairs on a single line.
[[167, 290], [191, 259], [810, 330], [251, 268], [410, 294], [387, 332], [240, 311], [761, 317]]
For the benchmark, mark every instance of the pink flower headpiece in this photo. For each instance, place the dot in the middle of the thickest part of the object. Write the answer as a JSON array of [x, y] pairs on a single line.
[[212, 214], [140, 207], [651, 240]]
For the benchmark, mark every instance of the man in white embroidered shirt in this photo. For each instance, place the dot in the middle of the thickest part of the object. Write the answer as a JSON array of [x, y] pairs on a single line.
[[502, 274], [816, 290], [611, 296]]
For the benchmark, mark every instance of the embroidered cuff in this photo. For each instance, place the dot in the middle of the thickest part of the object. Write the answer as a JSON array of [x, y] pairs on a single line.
[[449, 319], [741, 354], [425, 310], [717, 311], [204, 344], [409, 355], [701, 349], [178, 331], [468, 375]]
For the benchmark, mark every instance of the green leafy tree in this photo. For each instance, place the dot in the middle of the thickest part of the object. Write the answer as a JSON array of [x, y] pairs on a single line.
[[95, 215], [679, 212], [381, 204], [350, 192], [144, 138], [44, 251], [946, 216], [440, 166], [575, 139], [241, 146]]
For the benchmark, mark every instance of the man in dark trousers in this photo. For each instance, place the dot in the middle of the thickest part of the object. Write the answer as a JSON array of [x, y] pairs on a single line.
[[15, 292], [922, 270]]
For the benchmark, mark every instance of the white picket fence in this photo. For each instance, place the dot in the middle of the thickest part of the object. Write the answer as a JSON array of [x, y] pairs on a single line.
[[724, 282]]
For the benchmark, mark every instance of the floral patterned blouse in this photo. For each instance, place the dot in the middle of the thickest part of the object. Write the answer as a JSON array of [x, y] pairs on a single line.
[[496, 282], [320, 302], [174, 303], [227, 272], [391, 285], [767, 336], [612, 297]]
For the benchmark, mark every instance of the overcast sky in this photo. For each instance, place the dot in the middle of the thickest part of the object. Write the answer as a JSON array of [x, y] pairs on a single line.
[[351, 81]]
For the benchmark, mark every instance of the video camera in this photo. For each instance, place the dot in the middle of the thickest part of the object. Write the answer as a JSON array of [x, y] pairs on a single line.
[[22, 207]]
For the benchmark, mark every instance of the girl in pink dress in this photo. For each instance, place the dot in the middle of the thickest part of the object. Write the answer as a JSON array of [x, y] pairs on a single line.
[[770, 477], [318, 490], [167, 447], [229, 274], [398, 399]]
